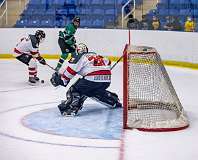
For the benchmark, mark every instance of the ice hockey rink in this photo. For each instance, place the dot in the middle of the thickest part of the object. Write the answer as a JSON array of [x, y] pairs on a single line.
[[31, 127]]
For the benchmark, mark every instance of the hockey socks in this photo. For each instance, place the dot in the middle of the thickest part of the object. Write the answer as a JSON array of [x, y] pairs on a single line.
[[61, 61]]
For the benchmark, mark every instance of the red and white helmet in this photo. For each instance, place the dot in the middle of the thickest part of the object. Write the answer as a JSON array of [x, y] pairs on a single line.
[[82, 48]]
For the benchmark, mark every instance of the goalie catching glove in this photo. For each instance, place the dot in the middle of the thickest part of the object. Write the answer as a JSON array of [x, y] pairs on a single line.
[[56, 80]]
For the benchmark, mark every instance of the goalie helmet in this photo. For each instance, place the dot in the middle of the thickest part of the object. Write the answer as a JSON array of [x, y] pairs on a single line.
[[40, 35], [82, 48]]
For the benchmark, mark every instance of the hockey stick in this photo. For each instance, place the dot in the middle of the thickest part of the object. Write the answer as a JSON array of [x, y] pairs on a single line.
[[124, 52], [125, 49], [50, 67], [117, 62], [53, 70]]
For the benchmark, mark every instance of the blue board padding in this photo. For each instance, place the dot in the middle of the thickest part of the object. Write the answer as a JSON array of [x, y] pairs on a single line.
[[93, 121]]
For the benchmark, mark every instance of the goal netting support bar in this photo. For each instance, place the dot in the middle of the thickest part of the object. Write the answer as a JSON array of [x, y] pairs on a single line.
[[150, 102]]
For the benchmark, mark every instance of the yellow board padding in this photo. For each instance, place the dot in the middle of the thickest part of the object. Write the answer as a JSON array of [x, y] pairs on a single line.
[[181, 64], [51, 56], [115, 58], [47, 56], [6, 56]]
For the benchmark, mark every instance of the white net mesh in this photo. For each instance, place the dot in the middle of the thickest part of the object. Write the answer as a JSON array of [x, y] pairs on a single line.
[[152, 101]]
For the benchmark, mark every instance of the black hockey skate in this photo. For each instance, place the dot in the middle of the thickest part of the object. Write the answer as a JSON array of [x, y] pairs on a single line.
[[36, 78], [32, 81], [64, 109], [116, 105], [67, 110], [73, 111]]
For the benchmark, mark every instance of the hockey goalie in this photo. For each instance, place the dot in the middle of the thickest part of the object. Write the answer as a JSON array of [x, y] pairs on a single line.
[[96, 73]]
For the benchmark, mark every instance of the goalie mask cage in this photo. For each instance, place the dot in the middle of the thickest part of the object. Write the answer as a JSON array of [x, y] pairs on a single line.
[[149, 98]]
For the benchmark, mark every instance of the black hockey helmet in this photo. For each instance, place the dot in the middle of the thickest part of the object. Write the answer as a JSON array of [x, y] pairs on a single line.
[[76, 21], [40, 35]]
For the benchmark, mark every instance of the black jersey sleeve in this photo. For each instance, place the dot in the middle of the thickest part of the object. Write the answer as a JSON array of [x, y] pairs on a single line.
[[34, 41]]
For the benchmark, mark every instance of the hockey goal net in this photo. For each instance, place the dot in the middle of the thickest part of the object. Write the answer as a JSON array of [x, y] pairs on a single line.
[[150, 101]]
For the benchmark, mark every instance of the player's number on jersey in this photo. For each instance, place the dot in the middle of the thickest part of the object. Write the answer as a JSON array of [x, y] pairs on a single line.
[[98, 60]]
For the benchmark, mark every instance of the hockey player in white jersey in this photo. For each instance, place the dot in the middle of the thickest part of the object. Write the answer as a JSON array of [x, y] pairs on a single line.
[[96, 73], [27, 51]]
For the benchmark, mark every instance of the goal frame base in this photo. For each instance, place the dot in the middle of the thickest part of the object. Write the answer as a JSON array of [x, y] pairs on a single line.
[[158, 129]]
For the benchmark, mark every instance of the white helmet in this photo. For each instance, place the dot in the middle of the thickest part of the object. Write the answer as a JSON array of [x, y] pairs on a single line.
[[81, 48]]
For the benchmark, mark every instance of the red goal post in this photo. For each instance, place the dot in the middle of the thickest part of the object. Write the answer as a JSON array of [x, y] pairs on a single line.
[[150, 102]]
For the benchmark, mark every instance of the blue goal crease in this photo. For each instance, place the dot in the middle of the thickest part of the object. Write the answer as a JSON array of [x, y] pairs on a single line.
[[94, 122]]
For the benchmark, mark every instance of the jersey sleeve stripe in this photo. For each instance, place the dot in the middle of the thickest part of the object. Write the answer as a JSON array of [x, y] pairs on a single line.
[[34, 53], [71, 71], [32, 72], [65, 77], [101, 72], [31, 69], [17, 51]]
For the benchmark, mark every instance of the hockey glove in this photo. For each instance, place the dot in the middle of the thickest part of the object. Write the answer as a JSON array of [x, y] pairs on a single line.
[[73, 39], [56, 80], [41, 60]]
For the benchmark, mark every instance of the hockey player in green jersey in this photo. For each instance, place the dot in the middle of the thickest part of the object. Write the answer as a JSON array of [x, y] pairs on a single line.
[[67, 42]]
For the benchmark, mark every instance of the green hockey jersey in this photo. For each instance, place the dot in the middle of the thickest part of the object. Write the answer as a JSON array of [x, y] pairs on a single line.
[[68, 34]]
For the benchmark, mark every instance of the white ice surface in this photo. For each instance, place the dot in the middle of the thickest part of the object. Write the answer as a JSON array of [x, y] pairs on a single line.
[[19, 142]]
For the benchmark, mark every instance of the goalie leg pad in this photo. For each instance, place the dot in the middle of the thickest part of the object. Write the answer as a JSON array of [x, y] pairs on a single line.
[[98, 92], [73, 103], [108, 98]]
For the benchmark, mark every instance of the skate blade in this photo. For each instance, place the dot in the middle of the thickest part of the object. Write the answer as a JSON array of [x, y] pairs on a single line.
[[69, 115], [33, 84]]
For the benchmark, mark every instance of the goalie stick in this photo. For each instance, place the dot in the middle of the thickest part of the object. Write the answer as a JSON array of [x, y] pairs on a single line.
[[125, 49], [117, 62], [124, 52]]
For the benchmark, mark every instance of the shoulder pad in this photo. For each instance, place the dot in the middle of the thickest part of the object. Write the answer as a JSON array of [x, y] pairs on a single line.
[[34, 41]]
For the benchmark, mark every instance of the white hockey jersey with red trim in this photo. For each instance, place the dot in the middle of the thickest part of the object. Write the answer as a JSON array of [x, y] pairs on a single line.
[[91, 66], [27, 45]]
